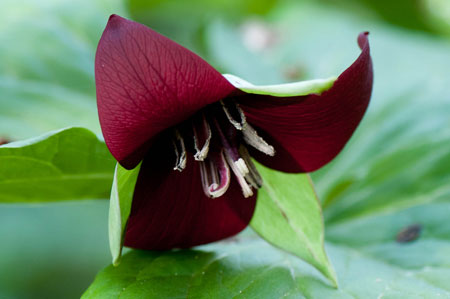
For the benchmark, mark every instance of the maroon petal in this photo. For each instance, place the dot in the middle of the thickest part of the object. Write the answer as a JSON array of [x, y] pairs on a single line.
[[170, 210], [307, 132], [145, 84]]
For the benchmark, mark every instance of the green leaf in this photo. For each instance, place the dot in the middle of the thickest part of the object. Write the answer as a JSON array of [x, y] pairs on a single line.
[[69, 164], [289, 216], [47, 69], [251, 268], [288, 89], [120, 207]]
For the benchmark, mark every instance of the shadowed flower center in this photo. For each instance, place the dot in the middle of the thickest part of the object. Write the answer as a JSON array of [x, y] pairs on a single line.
[[218, 137]]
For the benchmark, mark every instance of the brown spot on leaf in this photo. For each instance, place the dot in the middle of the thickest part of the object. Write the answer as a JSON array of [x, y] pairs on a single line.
[[409, 233]]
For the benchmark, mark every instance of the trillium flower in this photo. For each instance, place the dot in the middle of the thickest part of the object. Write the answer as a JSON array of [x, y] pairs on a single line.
[[196, 131]]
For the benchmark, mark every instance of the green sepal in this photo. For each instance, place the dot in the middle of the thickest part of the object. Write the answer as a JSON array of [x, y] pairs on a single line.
[[119, 208], [288, 215], [300, 88]]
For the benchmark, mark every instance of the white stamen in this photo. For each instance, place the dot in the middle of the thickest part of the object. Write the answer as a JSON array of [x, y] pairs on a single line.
[[241, 166], [238, 167], [180, 163], [239, 125], [202, 153], [252, 138], [253, 177]]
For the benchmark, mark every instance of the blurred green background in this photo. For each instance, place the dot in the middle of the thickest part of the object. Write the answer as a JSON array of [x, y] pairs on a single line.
[[395, 171]]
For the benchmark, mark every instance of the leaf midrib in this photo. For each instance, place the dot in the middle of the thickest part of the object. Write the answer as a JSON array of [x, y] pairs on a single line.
[[299, 233]]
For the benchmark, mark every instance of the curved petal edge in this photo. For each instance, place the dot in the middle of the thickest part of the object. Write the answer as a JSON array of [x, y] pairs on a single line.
[[309, 131]]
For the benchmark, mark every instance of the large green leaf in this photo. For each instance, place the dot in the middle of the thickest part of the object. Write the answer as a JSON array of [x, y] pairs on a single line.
[[47, 70], [250, 268], [289, 216], [120, 207], [69, 164]]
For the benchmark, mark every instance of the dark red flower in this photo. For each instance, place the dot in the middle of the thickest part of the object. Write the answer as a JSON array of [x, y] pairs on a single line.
[[195, 129]]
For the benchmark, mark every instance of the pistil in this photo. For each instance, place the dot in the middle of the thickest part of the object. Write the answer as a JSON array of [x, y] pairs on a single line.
[[215, 175]]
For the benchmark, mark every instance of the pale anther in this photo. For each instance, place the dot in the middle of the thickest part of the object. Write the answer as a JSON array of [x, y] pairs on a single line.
[[252, 138], [180, 152], [202, 153], [238, 124], [241, 166]]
